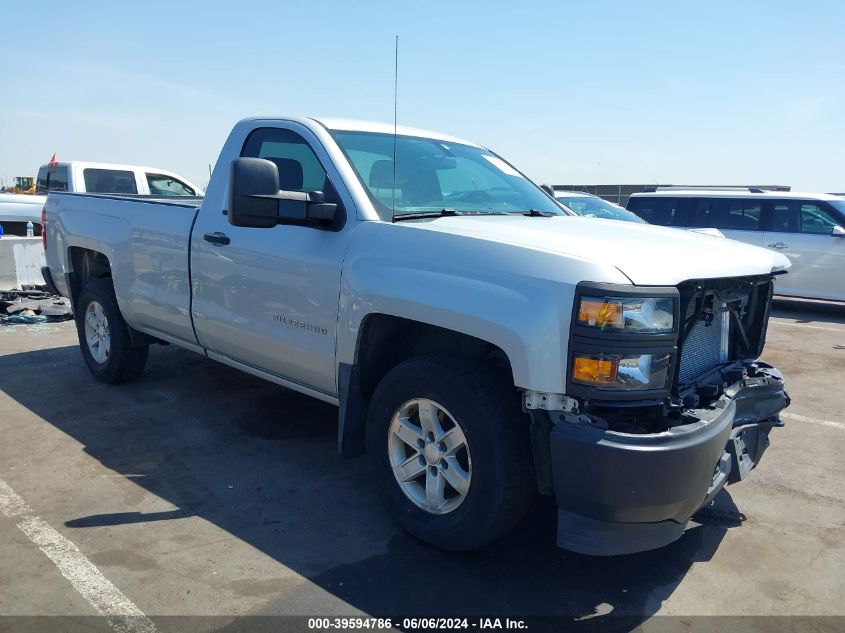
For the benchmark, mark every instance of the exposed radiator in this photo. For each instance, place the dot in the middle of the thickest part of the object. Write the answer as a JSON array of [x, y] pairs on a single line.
[[705, 347]]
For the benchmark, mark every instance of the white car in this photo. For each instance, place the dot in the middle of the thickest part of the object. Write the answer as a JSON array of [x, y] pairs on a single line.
[[85, 177], [809, 228], [590, 206]]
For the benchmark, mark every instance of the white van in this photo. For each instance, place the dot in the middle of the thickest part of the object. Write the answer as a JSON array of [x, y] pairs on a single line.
[[809, 228]]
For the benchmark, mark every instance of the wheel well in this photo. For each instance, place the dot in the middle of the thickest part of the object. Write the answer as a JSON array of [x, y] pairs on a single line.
[[385, 341], [86, 264]]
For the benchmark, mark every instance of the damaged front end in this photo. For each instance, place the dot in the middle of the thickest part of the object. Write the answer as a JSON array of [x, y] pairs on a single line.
[[666, 404]]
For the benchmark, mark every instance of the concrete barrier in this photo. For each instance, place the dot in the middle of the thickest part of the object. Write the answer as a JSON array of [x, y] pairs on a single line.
[[21, 259]]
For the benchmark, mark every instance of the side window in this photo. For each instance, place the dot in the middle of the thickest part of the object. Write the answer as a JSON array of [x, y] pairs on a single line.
[[161, 185], [299, 167], [661, 210], [656, 212], [51, 179], [784, 216], [109, 181], [738, 214], [678, 209], [652, 210], [700, 213], [814, 219], [643, 207]]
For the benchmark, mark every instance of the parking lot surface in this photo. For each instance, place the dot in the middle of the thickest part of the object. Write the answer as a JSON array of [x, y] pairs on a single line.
[[198, 489]]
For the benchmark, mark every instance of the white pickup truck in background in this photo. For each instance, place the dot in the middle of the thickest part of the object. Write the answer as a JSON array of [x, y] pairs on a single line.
[[79, 176], [16, 209], [481, 342]]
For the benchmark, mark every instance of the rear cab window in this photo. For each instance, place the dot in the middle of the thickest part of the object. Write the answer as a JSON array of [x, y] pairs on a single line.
[[54, 179], [109, 181]]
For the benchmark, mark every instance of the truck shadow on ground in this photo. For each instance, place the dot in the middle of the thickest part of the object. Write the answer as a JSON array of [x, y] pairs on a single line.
[[260, 462]]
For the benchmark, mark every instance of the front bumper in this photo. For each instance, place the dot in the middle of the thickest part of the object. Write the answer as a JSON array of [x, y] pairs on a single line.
[[621, 493]]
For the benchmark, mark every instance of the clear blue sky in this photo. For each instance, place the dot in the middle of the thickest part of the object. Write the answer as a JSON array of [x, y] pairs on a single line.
[[592, 92]]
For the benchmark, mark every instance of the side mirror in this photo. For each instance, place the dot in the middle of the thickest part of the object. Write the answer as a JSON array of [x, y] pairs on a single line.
[[252, 183], [256, 201], [838, 231]]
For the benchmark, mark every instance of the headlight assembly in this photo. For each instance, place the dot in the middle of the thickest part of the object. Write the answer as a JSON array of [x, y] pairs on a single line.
[[631, 372], [632, 315], [623, 342]]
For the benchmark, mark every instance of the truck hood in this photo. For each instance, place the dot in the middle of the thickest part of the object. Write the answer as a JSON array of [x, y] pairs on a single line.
[[646, 254]]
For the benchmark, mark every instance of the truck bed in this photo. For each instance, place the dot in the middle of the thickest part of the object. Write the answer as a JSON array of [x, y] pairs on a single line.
[[146, 240]]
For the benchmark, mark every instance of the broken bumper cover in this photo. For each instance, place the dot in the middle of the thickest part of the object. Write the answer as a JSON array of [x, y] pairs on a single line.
[[621, 493]]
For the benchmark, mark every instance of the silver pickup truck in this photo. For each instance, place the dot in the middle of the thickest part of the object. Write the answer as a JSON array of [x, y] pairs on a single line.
[[480, 341]]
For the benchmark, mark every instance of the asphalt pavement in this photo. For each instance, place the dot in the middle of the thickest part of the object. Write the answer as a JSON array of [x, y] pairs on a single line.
[[198, 490]]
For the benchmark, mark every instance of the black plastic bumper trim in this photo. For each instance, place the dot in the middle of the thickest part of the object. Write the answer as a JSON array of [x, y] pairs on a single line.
[[601, 538], [618, 483]]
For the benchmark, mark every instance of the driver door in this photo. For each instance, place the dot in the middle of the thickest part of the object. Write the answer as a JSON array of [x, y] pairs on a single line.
[[268, 297]]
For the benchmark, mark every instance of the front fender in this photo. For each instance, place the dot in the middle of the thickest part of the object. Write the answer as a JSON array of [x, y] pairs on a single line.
[[516, 298]]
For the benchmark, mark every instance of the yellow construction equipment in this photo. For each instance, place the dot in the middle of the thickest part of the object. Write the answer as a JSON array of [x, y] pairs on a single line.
[[23, 184]]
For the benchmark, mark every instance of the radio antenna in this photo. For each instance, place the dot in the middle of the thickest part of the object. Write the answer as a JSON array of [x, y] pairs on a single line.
[[395, 111]]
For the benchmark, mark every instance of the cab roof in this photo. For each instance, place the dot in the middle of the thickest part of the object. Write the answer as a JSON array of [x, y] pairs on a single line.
[[357, 125]]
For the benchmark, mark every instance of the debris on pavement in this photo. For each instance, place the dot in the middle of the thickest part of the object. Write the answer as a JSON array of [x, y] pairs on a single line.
[[33, 304]]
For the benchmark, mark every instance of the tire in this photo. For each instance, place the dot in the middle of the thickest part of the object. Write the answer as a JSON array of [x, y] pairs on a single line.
[[497, 463], [111, 358]]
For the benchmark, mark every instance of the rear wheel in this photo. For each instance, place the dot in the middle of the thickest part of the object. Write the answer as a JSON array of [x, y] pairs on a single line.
[[450, 447], [104, 336]]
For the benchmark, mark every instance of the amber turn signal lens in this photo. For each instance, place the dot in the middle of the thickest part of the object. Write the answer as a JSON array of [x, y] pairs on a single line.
[[596, 371], [600, 313]]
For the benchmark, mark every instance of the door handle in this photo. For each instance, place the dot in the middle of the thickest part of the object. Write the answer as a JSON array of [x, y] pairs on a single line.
[[217, 238], [778, 245]]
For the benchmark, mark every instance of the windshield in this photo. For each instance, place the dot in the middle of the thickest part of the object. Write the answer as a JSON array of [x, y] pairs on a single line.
[[433, 175], [598, 208]]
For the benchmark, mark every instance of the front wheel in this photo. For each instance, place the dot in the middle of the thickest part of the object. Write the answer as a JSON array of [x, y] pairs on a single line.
[[450, 447], [104, 336]]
